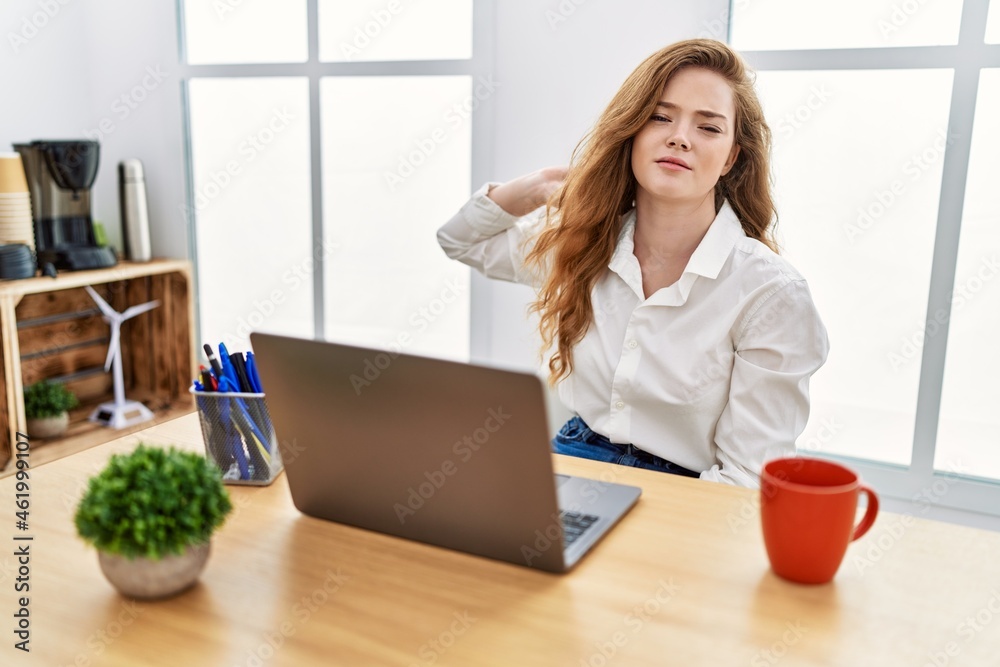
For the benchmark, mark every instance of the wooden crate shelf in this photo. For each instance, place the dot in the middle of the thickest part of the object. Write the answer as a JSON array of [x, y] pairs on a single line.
[[52, 329]]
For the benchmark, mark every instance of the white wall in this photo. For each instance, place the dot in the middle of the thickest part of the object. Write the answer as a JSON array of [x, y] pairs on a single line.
[[76, 62], [558, 63]]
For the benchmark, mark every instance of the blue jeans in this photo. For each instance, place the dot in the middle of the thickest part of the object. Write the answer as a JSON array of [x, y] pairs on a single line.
[[576, 439]]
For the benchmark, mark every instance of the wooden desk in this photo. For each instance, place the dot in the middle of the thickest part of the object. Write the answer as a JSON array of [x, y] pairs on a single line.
[[682, 581]]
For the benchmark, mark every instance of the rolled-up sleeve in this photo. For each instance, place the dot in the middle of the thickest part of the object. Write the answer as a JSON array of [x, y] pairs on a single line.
[[782, 343], [490, 240]]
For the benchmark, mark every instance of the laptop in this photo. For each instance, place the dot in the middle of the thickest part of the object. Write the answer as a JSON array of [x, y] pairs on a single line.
[[446, 453]]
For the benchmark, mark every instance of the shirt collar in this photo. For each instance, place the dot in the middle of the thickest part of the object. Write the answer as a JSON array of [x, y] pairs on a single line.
[[623, 261], [716, 246], [707, 260]]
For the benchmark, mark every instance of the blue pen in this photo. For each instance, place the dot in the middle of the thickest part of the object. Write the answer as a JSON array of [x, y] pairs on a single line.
[[243, 419], [258, 447], [255, 444], [252, 372], [232, 439], [264, 417], [227, 368]]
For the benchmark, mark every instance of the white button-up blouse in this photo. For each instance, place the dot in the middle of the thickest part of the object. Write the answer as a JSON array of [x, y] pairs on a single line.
[[711, 373]]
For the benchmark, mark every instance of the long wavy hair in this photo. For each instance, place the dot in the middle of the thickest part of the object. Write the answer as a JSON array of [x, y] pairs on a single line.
[[584, 214]]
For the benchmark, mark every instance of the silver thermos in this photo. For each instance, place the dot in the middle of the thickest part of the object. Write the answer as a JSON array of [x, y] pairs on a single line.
[[134, 211]]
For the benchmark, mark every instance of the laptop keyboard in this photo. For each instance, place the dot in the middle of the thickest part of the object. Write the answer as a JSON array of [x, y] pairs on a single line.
[[575, 524]]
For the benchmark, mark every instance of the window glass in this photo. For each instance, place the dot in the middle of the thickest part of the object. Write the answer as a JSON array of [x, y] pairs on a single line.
[[250, 161], [395, 30], [993, 23], [765, 25], [396, 166], [857, 167], [236, 31], [970, 421]]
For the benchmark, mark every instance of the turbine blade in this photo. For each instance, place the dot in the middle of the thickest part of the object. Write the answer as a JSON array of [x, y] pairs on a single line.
[[113, 346], [129, 313], [101, 303]]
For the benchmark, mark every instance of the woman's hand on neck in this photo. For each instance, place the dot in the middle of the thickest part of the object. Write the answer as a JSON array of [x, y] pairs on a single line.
[[524, 194]]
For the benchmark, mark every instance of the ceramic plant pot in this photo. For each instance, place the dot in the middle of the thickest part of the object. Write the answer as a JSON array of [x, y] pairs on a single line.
[[48, 427], [148, 579]]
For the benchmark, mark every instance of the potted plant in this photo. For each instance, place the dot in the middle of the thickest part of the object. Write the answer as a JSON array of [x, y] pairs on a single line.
[[46, 406], [151, 515]]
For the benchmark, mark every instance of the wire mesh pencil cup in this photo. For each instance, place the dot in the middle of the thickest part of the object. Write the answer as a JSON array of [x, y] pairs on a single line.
[[239, 437]]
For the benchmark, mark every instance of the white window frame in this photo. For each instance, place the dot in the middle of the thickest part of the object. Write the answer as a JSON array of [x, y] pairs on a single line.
[[480, 64], [918, 486]]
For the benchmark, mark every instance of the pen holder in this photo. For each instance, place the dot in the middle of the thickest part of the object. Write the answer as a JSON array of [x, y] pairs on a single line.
[[239, 437]]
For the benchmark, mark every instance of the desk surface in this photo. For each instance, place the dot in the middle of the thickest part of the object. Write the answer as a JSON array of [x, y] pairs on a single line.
[[683, 580]]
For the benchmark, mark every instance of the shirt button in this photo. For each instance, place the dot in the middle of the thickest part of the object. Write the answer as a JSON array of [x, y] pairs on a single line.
[[620, 404], [633, 344]]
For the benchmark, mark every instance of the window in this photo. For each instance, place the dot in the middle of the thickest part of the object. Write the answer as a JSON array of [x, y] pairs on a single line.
[[970, 422], [993, 23], [848, 24], [231, 32], [327, 142], [250, 164], [884, 119], [377, 30], [391, 175], [858, 217]]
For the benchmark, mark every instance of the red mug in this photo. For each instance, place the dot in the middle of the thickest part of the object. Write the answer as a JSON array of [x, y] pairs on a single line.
[[808, 507]]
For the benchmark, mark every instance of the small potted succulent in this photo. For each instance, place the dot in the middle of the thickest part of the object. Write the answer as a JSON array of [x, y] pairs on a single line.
[[151, 515], [46, 407]]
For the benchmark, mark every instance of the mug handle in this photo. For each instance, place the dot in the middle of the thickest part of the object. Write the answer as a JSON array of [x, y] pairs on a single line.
[[869, 518]]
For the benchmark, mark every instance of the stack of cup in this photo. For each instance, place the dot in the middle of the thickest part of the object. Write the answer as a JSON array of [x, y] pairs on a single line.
[[15, 203]]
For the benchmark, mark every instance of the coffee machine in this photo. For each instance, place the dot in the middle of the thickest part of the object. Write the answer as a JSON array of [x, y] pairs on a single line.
[[60, 175]]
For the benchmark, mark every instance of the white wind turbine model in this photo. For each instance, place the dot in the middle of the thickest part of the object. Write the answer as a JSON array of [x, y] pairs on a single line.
[[120, 413]]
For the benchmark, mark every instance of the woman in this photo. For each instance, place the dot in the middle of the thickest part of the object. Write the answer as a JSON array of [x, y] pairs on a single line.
[[677, 335]]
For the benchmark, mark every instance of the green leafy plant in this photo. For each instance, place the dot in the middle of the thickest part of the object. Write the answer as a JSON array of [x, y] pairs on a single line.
[[47, 399], [152, 503]]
